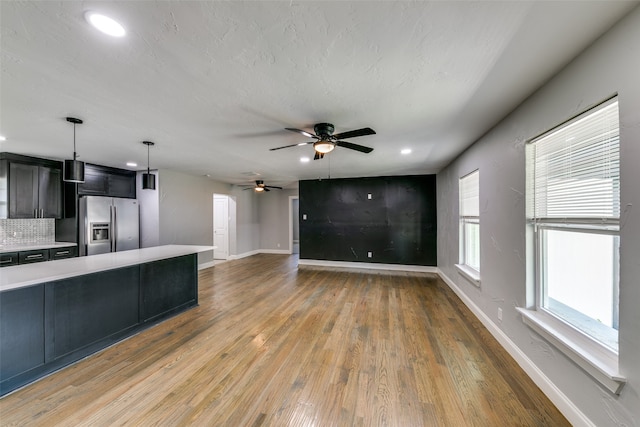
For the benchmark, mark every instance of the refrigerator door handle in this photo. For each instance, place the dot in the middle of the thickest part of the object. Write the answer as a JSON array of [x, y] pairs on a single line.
[[114, 225]]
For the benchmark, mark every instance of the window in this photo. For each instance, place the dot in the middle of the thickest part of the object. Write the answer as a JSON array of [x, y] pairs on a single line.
[[573, 206], [469, 191]]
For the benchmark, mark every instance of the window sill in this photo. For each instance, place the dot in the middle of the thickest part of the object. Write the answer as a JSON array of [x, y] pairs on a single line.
[[469, 273], [598, 361]]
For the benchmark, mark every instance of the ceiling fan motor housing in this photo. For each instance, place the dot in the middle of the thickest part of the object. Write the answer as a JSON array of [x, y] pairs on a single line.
[[324, 130]]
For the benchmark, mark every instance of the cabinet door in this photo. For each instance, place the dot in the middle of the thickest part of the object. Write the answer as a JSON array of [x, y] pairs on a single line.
[[23, 190], [92, 308], [61, 253], [21, 330], [168, 285], [37, 255], [8, 258], [50, 192], [96, 182], [122, 186]]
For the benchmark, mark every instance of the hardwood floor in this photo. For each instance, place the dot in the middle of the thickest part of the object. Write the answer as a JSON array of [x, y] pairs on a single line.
[[276, 346]]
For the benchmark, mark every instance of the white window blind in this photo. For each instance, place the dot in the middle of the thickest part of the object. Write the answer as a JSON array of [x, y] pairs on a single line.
[[470, 195], [574, 170]]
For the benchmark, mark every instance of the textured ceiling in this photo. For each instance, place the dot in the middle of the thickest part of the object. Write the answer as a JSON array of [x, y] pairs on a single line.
[[214, 84]]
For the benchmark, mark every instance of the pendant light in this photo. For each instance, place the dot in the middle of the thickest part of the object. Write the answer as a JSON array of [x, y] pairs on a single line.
[[74, 169], [148, 179]]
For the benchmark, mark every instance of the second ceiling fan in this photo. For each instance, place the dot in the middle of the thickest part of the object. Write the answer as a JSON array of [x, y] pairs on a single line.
[[326, 141]]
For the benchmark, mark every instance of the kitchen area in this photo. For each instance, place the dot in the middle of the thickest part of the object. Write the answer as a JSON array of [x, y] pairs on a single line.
[[44, 218], [74, 278]]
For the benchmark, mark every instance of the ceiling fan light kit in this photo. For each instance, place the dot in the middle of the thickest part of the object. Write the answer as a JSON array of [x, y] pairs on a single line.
[[323, 147], [74, 169]]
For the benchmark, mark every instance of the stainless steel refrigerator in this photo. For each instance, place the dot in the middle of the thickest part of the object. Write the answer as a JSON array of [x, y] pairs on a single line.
[[108, 224]]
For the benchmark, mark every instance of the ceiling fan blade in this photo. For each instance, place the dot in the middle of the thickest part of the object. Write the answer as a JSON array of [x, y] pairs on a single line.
[[354, 133], [318, 156], [352, 146], [292, 145], [272, 186], [266, 189], [304, 132]]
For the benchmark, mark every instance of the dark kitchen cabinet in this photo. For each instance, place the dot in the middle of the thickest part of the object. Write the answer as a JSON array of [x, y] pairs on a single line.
[[47, 326], [61, 253], [21, 330], [92, 308], [34, 187], [8, 258], [106, 181], [168, 285], [37, 255]]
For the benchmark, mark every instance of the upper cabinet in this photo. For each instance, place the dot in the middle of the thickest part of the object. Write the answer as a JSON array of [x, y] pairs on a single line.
[[30, 187], [106, 181]]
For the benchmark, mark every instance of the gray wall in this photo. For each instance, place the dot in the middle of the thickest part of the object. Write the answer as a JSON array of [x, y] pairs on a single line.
[[247, 221], [610, 66], [273, 208], [181, 212], [186, 210]]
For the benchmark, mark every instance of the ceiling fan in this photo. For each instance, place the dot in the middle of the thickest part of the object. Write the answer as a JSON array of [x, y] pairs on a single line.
[[261, 187], [326, 141]]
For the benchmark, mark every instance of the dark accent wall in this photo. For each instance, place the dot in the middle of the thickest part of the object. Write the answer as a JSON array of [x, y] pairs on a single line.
[[398, 223]]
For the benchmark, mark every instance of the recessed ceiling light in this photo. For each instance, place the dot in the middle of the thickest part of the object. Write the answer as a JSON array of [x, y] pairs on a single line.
[[405, 151], [105, 24], [3, 138], [132, 164], [304, 159]]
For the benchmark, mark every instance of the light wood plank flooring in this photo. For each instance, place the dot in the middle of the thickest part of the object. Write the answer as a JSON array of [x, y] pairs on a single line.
[[276, 346]]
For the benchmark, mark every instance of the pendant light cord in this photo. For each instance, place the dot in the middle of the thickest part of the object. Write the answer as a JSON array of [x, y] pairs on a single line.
[[148, 163], [74, 143]]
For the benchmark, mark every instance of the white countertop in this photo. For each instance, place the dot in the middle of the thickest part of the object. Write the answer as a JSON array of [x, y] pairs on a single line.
[[20, 276], [34, 246]]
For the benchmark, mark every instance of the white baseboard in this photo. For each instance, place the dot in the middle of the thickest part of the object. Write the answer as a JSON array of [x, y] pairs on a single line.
[[243, 255], [205, 265], [259, 251], [368, 265], [275, 251], [559, 399]]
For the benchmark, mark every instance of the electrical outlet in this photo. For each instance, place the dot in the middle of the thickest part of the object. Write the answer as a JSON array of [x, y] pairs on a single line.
[[278, 244], [500, 314], [370, 254], [369, 196]]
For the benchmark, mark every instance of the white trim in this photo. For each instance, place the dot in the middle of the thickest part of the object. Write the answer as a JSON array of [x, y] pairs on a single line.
[[559, 399], [368, 265], [205, 265], [589, 355], [469, 273], [274, 251], [243, 255], [291, 199]]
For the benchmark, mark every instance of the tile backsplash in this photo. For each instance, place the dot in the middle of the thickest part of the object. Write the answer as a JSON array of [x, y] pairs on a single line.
[[23, 231]]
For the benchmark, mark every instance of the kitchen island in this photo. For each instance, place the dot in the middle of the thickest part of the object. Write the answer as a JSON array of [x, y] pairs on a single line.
[[53, 314]]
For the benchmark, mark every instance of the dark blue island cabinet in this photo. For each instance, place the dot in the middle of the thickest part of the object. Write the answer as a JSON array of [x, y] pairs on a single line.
[[44, 327]]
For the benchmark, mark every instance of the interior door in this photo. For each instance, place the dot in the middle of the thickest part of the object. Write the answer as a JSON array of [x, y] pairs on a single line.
[[221, 226]]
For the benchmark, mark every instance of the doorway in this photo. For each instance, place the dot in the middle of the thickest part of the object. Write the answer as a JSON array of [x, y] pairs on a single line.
[[221, 221], [294, 225]]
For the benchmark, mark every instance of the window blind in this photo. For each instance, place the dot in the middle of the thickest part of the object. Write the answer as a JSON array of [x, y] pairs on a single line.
[[573, 171], [470, 195]]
